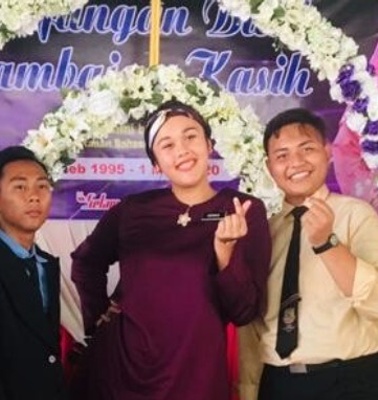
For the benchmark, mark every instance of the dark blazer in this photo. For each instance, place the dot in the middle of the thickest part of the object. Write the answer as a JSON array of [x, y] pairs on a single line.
[[30, 367]]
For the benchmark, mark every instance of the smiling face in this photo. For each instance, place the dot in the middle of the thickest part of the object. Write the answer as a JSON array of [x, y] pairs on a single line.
[[298, 160], [182, 150], [25, 198]]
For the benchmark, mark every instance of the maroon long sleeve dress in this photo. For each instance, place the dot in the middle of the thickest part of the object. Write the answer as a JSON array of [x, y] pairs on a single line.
[[169, 341]]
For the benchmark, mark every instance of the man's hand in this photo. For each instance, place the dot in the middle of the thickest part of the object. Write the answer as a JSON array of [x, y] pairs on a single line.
[[318, 221]]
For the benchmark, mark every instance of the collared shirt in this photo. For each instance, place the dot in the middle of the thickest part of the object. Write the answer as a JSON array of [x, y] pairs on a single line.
[[331, 325], [21, 252]]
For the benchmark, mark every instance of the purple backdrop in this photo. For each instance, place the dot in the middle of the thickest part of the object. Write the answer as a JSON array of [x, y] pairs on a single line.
[[68, 51]]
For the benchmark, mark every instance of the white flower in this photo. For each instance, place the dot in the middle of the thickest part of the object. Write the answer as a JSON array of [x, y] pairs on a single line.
[[356, 122], [73, 103], [266, 10], [368, 85], [21, 18], [301, 27], [102, 103], [336, 93], [372, 110], [74, 127], [294, 17], [239, 8], [359, 62], [329, 69], [264, 188], [371, 160]]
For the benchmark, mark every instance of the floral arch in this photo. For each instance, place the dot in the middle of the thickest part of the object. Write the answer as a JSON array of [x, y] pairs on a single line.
[[126, 97], [296, 23]]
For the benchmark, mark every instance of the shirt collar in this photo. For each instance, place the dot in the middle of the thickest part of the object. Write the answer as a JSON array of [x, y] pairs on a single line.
[[18, 250]]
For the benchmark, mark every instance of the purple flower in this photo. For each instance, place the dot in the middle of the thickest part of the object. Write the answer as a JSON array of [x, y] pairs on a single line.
[[360, 105], [350, 89], [369, 146], [345, 73], [371, 69], [371, 128]]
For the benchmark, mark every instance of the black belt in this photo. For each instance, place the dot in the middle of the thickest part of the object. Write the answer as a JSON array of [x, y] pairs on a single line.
[[299, 368]]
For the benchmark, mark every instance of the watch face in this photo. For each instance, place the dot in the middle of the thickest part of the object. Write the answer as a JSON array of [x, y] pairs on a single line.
[[334, 240]]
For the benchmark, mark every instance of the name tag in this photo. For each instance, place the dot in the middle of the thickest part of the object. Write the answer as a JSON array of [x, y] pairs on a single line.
[[213, 216]]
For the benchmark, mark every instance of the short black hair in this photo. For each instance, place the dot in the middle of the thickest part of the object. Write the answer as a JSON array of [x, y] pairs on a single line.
[[173, 108], [293, 116], [18, 153]]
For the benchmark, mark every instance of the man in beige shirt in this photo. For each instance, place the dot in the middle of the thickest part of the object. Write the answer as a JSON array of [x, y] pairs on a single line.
[[336, 353]]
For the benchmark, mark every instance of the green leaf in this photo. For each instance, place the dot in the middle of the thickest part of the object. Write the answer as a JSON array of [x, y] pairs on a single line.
[[255, 4], [66, 160], [157, 99], [128, 103], [191, 89], [278, 13]]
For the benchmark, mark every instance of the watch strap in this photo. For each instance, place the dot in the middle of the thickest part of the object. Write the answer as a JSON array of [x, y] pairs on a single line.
[[332, 241]]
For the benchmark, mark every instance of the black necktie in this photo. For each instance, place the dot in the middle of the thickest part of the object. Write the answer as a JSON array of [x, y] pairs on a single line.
[[32, 271], [287, 334]]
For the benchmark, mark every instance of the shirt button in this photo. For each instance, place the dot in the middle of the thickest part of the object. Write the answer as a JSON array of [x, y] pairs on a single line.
[[52, 359]]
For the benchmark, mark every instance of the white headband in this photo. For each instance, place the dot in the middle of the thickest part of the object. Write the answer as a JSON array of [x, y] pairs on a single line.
[[160, 120], [156, 125]]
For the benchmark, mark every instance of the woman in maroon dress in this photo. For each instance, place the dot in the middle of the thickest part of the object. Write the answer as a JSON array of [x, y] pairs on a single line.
[[191, 260]]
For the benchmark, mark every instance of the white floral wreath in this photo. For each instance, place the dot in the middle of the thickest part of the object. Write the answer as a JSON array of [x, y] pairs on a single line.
[[21, 17], [126, 97], [329, 52]]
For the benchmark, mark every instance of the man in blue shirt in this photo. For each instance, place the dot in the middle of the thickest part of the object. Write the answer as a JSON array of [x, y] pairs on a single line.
[[30, 366]]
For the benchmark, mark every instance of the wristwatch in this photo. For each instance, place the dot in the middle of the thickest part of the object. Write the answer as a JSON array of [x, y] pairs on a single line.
[[331, 242]]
